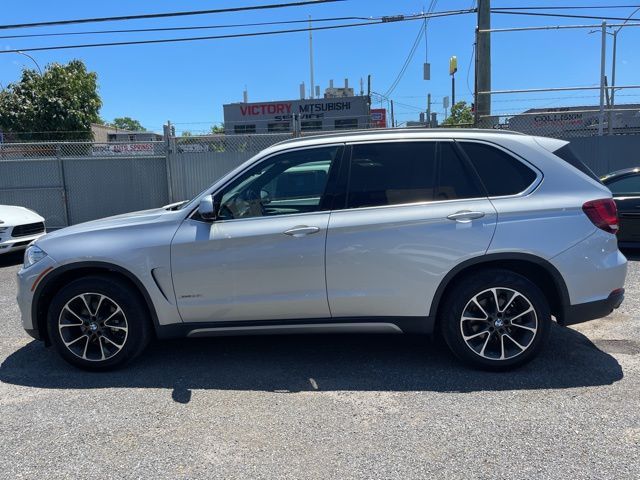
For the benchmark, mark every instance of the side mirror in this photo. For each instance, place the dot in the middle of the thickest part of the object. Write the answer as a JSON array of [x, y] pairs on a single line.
[[208, 208]]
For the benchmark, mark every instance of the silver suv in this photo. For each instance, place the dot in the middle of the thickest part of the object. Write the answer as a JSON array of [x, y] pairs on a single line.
[[481, 236]]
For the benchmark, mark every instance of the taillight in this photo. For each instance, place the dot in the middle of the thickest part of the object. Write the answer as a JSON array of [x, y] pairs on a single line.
[[603, 214]]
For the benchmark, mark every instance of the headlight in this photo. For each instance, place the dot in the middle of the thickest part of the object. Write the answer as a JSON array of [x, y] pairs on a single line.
[[33, 255]]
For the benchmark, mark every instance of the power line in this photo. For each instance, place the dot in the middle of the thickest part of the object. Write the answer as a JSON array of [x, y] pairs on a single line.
[[168, 14], [407, 62], [502, 10], [473, 51], [555, 15], [237, 35], [412, 52], [170, 29], [568, 7]]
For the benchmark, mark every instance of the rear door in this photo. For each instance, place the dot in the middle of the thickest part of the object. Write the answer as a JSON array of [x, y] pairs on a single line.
[[413, 210]]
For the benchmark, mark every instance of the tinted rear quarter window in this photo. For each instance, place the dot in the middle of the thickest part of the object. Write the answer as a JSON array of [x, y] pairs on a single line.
[[500, 173], [569, 156], [391, 173]]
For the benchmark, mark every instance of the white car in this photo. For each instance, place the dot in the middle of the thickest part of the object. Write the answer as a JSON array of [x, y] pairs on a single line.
[[19, 227]]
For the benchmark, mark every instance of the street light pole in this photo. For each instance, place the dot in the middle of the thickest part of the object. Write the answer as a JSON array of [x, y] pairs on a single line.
[[32, 59]]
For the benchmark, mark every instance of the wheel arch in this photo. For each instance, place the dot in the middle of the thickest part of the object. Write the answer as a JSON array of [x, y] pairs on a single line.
[[61, 276], [540, 271]]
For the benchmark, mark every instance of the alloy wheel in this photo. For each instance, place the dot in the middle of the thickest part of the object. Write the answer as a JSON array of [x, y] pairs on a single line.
[[93, 327], [499, 324]]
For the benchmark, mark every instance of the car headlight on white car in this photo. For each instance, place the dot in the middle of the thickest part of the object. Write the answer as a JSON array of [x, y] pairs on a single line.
[[33, 255]]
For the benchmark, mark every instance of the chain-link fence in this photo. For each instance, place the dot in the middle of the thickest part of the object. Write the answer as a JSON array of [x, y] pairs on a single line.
[[570, 122], [193, 163], [73, 182]]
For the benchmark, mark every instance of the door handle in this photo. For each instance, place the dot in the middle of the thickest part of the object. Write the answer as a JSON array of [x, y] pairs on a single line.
[[465, 216], [301, 231]]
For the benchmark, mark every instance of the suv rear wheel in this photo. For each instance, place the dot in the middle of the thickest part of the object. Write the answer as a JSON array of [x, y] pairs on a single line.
[[97, 323], [495, 320]]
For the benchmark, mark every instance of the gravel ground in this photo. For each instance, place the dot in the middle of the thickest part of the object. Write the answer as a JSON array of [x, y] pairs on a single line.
[[324, 407]]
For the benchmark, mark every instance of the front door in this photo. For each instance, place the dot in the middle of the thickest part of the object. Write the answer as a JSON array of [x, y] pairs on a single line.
[[263, 258]]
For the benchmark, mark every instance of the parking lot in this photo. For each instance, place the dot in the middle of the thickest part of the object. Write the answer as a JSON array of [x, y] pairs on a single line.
[[324, 407]]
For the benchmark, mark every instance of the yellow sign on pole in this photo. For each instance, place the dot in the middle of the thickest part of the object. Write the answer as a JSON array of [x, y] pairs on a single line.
[[453, 65]]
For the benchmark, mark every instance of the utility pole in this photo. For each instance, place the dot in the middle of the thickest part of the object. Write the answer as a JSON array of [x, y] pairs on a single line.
[[429, 109], [603, 51], [483, 63], [369, 98], [393, 122], [311, 58]]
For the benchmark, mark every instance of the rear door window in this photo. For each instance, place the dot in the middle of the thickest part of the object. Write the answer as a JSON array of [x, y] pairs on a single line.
[[501, 173], [455, 178], [391, 173]]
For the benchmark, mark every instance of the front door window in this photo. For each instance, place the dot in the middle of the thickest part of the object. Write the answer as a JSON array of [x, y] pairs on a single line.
[[293, 182]]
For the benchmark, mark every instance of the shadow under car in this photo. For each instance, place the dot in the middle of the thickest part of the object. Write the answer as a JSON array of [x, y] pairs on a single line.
[[318, 362]]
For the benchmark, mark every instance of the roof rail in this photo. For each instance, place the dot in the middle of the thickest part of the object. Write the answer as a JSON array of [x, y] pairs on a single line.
[[377, 131]]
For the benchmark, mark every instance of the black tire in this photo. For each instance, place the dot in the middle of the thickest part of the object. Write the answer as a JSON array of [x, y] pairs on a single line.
[[130, 329], [503, 338]]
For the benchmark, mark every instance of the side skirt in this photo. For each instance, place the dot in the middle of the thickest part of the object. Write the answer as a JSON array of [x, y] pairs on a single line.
[[301, 326]]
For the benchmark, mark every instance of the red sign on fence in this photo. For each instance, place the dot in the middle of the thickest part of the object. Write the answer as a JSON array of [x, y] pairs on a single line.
[[378, 118]]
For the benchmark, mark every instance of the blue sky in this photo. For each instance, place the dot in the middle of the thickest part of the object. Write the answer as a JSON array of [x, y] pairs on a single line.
[[187, 83]]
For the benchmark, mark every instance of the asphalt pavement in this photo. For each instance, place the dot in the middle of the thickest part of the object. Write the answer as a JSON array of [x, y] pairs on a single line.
[[351, 406]]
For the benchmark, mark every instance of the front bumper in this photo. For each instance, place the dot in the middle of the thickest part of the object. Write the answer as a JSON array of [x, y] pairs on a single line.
[[27, 280], [18, 243], [584, 312]]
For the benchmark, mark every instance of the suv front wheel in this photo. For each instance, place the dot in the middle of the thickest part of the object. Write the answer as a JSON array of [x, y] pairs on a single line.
[[97, 323], [495, 320]]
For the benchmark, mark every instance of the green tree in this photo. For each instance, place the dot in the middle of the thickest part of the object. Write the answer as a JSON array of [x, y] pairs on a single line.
[[127, 123], [461, 115], [216, 129], [186, 133], [63, 102]]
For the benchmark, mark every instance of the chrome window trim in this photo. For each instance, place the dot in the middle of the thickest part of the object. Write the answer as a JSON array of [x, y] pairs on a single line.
[[529, 190], [299, 214], [414, 204]]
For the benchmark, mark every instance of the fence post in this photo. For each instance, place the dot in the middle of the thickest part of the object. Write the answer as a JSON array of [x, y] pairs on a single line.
[[603, 51], [167, 160], [63, 181]]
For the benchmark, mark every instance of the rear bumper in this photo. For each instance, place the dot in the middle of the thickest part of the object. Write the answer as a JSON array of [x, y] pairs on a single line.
[[583, 312]]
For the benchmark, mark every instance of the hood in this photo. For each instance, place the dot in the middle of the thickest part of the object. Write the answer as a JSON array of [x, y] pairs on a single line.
[[117, 221], [11, 215]]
